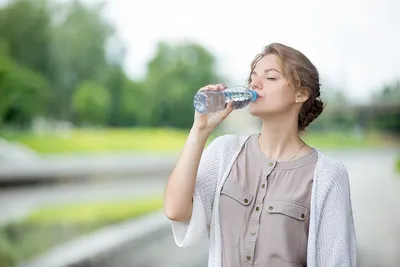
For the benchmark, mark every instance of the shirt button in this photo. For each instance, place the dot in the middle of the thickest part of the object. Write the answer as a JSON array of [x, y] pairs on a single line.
[[248, 257], [253, 232], [257, 208], [246, 200], [270, 208], [270, 164], [263, 186], [302, 216]]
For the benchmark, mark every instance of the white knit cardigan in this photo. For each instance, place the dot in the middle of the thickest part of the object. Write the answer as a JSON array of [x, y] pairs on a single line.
[[331, 241]]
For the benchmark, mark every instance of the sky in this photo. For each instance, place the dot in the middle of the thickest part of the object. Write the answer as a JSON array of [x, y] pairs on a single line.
[[354, 44]]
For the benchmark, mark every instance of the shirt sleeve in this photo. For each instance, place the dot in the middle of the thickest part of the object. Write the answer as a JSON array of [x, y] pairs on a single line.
[[191, 232], [336, 238]]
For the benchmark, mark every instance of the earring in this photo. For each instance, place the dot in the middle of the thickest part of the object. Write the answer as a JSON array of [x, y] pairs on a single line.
[[297, 101]]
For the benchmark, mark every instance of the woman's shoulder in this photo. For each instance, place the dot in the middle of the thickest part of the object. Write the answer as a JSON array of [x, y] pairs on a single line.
[[331, 170], [228, 142]]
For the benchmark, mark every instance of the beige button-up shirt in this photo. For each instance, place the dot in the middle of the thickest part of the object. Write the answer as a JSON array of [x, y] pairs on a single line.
[[264, 209]]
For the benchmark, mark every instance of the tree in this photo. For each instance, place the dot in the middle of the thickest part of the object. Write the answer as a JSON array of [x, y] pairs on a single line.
[[78, 50], [91, 103], [132, 95], [23, 93], [384, 110], [174, 75], [64, 42], [388, 95], [25, 27], [69, 45], [115, 81]]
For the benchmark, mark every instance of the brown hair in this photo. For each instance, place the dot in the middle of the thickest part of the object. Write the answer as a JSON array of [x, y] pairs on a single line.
[[300, 72]]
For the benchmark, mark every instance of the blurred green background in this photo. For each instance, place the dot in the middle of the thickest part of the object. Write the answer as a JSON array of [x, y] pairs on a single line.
[[62, 91]]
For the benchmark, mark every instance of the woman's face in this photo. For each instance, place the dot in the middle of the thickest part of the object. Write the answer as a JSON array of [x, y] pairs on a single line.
[[276, 95]]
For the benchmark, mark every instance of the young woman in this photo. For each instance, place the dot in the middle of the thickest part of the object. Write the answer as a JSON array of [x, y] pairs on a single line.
[[267, 199]]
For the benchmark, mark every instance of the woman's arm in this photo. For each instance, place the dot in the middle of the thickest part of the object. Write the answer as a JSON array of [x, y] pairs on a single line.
[[180, 187], [336, 239], [190, 231], [190, 190]]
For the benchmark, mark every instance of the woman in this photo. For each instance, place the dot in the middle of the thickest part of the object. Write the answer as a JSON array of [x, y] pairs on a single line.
[[267, 199]]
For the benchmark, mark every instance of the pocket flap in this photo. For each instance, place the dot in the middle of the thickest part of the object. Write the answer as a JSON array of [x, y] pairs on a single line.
[[288, 208], [237, 193]]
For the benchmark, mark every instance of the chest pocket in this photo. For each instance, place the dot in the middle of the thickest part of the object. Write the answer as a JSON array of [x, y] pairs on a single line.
[[287, 222], [234, 202], [287, 208]]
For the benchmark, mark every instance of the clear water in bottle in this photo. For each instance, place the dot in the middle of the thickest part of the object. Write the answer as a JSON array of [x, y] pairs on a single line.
[[209, 101]]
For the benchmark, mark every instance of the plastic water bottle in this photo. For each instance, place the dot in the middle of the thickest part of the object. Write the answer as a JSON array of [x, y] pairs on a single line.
[[209, 101]]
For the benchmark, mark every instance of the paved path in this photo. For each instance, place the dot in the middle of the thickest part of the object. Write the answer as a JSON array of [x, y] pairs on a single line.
[[78, 166], [376, 204]]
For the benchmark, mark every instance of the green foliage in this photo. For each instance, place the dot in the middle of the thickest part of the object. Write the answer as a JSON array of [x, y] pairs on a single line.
[[23, 93], [68, 44], [175, 73], [25, 27], [69, 50], [65, 43], [78, 51], [397, 166], [384, 112], [91, 103], [56, 224], [132, 104]]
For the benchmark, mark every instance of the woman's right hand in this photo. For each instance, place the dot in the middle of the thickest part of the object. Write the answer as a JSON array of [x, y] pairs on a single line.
[[208, 122]]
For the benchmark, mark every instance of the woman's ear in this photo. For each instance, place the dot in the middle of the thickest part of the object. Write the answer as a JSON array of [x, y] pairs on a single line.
[[303, 93]]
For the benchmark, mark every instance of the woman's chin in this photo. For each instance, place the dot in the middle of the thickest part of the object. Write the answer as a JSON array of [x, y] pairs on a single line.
[[261, 112], [254, 111]]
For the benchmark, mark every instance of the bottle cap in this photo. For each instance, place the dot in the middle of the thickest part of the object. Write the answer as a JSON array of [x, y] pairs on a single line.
[[255, 95]]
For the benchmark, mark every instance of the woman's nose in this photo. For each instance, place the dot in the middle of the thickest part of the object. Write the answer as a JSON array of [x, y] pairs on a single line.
[[255, 86]]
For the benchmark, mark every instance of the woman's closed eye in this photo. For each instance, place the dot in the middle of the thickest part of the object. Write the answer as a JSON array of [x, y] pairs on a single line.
[[271, 78]]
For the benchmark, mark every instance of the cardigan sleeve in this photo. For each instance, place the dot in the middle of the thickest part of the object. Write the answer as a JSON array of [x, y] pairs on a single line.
[[191, 232], [336, 238]]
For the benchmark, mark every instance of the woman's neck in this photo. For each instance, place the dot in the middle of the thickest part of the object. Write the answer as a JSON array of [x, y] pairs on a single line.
[[280, 140]]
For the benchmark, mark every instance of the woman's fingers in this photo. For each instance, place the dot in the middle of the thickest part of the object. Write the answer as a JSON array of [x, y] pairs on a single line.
[[214, 87]]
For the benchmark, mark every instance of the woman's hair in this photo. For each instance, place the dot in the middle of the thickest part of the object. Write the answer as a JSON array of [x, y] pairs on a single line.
[[300, 72]]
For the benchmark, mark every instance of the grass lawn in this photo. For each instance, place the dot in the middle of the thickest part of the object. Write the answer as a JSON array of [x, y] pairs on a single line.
[[103, 140], [159, 140], [54, 225], [398, 165]]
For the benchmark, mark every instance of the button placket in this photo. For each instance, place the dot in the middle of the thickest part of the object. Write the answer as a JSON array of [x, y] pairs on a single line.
[[249, 256], [250, 246], [253, 234]]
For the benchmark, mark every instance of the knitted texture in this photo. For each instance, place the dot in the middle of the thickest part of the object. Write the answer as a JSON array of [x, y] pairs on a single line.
[[331, 240]]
